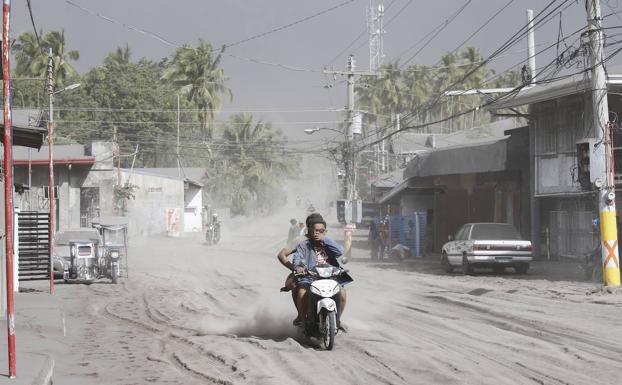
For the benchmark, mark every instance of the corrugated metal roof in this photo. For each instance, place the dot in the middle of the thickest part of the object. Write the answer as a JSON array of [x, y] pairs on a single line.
[[31, 137], [554, 90], [464, 159], [173, 173], [62, 154]]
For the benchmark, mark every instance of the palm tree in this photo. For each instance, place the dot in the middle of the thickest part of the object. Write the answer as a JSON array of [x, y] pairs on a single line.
[[195, 73], [417, 87], [63, 70], [252, 161], [26, 49], [119, 57]]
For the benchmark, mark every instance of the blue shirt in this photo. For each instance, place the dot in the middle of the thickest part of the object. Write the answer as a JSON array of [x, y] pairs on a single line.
[[305, 254]]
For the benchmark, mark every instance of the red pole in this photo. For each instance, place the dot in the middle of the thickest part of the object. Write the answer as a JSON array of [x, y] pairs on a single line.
[[8, 186], [51, 159], [51, 196]]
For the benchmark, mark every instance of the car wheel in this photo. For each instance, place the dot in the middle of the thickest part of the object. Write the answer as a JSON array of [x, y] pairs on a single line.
[[467, 269], [522, 268], [498, 269], [447, 267]]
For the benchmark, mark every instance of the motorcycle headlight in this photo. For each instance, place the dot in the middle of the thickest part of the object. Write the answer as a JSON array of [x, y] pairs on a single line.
[[114, 254]]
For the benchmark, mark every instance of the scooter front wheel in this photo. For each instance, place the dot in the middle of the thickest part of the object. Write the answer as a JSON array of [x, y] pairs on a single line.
[[328, 329]]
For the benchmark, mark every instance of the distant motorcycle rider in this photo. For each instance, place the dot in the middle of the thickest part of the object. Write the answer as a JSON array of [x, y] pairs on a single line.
[[213, 229]]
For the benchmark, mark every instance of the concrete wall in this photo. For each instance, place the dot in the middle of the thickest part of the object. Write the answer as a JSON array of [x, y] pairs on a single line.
[[411, 203], [155, 194]]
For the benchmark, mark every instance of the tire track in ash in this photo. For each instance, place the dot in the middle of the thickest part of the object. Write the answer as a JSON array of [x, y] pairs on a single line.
[[535, 329], [130, 312], [474, 319], [460, 355]]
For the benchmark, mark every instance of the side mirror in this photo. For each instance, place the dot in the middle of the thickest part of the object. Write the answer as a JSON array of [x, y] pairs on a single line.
[[450, 237]]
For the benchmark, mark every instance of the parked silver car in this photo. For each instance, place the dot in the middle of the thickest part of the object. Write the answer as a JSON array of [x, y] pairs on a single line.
[[487, 245]]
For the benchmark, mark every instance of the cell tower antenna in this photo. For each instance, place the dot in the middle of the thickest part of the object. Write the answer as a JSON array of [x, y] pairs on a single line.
[[375, 30]]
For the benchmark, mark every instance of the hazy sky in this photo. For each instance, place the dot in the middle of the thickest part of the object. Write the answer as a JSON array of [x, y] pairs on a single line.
[[311, 44]]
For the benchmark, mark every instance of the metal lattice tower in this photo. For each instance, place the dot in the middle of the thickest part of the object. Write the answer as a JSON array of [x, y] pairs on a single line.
[[375, 30]]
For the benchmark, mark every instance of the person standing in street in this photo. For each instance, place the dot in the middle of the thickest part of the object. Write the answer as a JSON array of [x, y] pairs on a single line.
[[294, 230]]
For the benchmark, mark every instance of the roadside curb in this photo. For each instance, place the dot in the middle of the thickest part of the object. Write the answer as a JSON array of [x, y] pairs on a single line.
[[45, 374]]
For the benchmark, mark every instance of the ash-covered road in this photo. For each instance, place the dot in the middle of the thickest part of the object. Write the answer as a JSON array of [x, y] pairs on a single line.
[[193, 314]]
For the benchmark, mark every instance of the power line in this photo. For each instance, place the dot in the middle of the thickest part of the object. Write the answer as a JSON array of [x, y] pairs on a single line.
[[127, 26], [509, 43], [171, 43], [490, 19], [487, 103], [32, 20], [289, 24], [444, 25], [224, 122], [360, 35]]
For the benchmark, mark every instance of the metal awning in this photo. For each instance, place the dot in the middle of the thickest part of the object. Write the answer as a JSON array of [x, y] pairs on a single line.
[[408, 185], [469, 159], [32, 137]]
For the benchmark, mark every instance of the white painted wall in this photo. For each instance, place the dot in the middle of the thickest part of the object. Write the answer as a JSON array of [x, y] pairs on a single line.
[[155, 194], [193, 212]]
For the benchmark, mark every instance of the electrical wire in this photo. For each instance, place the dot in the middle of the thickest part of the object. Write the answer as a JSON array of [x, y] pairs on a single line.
[[444, 25], [385, 25], [171, 43], [431, 104], [537, 21], [32, 20], [254, 37], [360, 35], [484, 105], [490, 19]]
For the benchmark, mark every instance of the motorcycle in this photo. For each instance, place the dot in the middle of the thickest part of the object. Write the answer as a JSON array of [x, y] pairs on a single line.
[[322, 313], [112, 262], [212, 233], [593, 266], [310, 209]]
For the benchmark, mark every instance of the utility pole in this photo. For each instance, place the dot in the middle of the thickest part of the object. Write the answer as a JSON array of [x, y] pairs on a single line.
[[603, 153], [531, 47], [350, 144], [50, 89], [351, 160], [178, 158], [8, 187]]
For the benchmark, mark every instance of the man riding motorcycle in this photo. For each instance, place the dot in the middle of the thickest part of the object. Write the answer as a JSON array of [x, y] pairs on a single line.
[[290, 283], [316, 250]]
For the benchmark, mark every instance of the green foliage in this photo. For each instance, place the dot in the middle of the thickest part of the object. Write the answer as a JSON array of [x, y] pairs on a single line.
[[32, 59], [122, 194], [125, 192], [413, 89], [249, 165], [132, 100], [195, 73]]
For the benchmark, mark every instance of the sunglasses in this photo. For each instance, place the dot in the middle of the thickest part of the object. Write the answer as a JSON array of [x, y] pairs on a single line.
[[320, 231]]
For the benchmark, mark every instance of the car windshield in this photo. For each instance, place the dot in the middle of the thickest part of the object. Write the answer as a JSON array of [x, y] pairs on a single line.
[[63, 238], [494, 231]]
